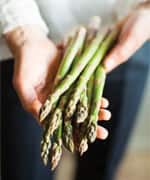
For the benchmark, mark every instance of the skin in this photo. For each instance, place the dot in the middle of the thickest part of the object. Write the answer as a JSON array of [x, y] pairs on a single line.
[[37, 58]]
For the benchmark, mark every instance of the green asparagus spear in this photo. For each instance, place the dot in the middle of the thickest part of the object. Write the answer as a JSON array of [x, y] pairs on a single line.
[[71, 76], [88, 71], [52, 121], [82, 139], [99, 81], [67, 127], [56, 150], [82, 107], [73, 49]]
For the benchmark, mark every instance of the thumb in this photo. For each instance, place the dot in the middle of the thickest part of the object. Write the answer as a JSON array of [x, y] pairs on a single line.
[[131, 39], [120, 53]]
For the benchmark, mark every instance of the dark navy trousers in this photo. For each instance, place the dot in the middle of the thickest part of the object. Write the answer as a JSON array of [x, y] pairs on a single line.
[[21, 134]]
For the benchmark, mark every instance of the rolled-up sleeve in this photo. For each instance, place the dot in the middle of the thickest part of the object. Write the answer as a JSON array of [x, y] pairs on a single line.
[[15, 13]]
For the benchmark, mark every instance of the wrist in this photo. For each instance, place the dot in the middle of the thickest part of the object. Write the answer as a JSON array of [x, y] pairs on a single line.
[[23, 35]]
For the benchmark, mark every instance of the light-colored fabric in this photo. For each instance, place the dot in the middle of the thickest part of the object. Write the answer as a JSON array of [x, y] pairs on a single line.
[[59, 15]]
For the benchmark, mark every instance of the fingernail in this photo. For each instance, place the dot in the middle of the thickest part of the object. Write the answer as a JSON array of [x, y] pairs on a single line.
[[104, 134], [108, 116]]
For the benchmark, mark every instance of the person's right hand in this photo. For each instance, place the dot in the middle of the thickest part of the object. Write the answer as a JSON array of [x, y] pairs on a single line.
[[35, 65]]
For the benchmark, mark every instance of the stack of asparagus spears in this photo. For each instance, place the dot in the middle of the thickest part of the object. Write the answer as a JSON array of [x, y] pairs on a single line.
[[70, 113]]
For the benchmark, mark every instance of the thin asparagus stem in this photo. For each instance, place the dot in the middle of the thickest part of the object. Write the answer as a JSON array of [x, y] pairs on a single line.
[[81, 139], [65, 84], [82, 107], [99, 81], [67, 123]]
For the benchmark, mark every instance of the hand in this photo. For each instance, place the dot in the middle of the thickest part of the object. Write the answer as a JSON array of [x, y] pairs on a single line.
[[135, 31], [36, 62]]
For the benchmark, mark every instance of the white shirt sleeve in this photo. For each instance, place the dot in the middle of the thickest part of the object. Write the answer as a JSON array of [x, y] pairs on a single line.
[[15, 13]]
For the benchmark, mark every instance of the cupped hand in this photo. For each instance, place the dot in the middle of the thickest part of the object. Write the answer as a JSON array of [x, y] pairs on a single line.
[[35, 65], [135, 31]]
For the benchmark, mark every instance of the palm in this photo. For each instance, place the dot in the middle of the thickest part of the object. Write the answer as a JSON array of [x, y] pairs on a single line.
[[35, 69]]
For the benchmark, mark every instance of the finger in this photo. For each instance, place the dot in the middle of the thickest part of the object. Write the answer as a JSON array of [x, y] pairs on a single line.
[[117, 56], [104, 103], [36, 106], [104, 115], [102, 133]]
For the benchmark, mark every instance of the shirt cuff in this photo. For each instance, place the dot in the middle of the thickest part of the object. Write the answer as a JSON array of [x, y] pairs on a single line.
[[14, 13]]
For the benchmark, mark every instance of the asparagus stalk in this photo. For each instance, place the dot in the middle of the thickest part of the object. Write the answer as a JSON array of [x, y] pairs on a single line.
[[56, 150], [99, 81], [72, 50], [67, 124], [88, 71], [71, 76], [81, 139], [52, 120], [82, 107]]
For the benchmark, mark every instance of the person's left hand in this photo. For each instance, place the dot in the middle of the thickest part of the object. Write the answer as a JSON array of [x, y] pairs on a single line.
[[35, 65]]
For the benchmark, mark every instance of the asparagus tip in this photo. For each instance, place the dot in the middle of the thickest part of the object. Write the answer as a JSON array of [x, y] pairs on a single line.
[[45, 110], [82, 113], [91, 134], [55, 155], [83, 147]]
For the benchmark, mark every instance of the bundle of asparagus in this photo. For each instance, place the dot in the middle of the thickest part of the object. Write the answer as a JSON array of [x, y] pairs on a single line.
[[70, 113]]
